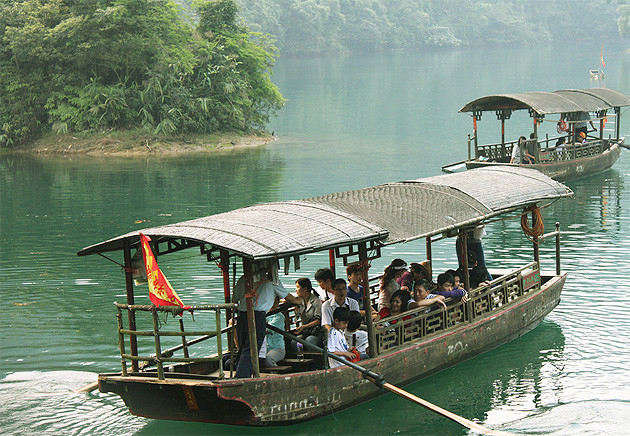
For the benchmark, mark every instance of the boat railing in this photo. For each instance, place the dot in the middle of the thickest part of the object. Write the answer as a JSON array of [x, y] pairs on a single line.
[[152, 326], [573, 151], [412, 325]]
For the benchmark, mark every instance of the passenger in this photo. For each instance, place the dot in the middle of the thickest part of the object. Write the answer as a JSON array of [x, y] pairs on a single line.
[[581, 138], [356, 338], [340, 299], [310, 311], [398, 305], [389, 285], [337, 344], [275, 341], [423, 298], [457, 280], [324, 278], [516, 152], [478, 276], [417, 272], [266, 290], [445, 288], [474, 248], [581, 126], [355, 290]]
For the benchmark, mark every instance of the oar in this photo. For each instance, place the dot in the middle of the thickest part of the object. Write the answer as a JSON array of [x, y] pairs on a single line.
[[379, 381], [621, 144], [167, 353]]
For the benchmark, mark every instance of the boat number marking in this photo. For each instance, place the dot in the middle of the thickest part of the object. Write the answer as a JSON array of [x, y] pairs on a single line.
[[458, 348], [191, 401]]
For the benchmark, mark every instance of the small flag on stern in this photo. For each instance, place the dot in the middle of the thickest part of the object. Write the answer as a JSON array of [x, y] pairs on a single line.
[[601, 57], [161, 292]]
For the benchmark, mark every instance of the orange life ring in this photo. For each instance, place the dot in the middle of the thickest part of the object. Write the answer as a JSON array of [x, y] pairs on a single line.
[[562, 126]]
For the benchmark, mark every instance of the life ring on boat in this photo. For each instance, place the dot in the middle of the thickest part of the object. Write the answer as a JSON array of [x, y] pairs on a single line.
[[562, 126]]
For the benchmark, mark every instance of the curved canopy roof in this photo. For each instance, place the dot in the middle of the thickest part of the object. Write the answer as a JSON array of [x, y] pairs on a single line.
[[563, 101], [390, 213]]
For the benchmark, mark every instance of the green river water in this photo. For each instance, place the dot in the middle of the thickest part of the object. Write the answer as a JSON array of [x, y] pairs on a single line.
[[350, 122]]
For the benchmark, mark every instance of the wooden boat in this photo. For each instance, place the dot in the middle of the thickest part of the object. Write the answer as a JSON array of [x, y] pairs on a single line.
[[572, 160], [351, 227]]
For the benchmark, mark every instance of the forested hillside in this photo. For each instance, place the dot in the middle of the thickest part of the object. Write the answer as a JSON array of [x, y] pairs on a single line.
[[329, 26], [98, 65]]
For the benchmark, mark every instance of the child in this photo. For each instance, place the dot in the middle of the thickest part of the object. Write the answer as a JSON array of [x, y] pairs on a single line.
[[445, 288], [357, 338], [457, 280], [337, 344]]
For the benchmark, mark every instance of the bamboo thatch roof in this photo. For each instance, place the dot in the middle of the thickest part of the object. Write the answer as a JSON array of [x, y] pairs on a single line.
[[390, 213], [558, 102]]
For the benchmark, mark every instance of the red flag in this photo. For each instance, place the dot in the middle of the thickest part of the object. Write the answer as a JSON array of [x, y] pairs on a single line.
[[161, 292], [601, 57]]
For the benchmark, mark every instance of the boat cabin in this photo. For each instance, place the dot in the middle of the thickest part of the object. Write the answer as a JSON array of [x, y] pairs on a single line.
[[175, 367]]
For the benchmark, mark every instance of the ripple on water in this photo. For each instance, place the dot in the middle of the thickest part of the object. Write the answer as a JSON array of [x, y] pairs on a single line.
[[48, 405]]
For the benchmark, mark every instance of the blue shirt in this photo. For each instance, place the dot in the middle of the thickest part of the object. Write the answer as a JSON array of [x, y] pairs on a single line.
[[356, 295]]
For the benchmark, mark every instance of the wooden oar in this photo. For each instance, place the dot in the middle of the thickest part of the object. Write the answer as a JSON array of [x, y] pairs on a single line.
[[621, 144], [87, 388], [379, 381]]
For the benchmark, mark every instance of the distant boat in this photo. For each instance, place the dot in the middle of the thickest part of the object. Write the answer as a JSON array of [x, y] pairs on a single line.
[[597, 74], [571, 160]]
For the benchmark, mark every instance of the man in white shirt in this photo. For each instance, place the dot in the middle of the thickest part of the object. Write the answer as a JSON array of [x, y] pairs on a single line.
[[339, 299]]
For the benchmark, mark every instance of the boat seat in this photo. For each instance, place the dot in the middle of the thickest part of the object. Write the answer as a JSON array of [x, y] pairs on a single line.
[[280, 369], [298, 365]]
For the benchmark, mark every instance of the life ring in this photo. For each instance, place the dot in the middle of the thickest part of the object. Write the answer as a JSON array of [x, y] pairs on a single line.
[[562, 126]]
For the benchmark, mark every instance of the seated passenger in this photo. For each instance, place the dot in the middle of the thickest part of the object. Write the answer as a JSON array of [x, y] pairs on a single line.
[[355, 290], [517, 149], [310, 312], [337, 344], [417, 272], [478, 276], [340, 299], [581, 138], [389, 285], [324, 278], [275, 351], [356, 338], [423, 298], [445, 288], [398, 305], [457, 280]]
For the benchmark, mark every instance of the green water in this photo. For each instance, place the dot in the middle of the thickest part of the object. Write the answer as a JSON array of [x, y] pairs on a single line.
[[350, 122]]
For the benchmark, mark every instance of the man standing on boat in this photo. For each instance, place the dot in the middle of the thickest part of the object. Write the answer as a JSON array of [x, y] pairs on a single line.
[[266, 291], [581, 125]]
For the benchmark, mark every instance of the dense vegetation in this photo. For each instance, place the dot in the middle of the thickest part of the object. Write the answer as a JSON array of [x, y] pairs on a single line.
[[97, 65], [327, 26]]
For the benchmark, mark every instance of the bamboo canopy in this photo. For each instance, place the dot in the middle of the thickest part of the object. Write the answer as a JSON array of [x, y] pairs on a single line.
[[558, 102], [389, 213]]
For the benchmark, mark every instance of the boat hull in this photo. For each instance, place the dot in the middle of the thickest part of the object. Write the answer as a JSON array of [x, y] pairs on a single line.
[[566, 170], [290, 398]]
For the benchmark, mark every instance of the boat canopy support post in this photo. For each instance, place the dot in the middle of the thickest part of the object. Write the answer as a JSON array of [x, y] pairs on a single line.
[[429, 254], [601, 115], [618, 122], [502, 115], [463, 237], [331, 261], [367, 306], [229, 315], [535, 239], [251, 319], [558, 272], [133, 342]]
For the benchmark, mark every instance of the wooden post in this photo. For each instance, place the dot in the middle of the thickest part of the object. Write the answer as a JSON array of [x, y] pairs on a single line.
[[133, 341], [225, 272], [121, 340], [618, 121], [367, 302], [536, 242], [429, 255], [558, 272], [184, 343], [251, 318], [503, 151], [331, 261], [158, 346], [463, 237]]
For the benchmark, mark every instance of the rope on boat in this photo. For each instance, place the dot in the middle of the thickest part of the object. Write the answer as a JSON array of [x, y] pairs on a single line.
[[537, 230]]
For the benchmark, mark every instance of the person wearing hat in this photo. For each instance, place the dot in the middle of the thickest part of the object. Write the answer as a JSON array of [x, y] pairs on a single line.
[[582, 137], [417, 272], [389, 285]]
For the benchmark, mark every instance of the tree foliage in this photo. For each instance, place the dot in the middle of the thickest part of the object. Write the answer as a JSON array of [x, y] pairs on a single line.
[[325, 26], [98, 64]]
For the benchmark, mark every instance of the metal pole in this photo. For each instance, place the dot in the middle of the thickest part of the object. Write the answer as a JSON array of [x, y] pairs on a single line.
[[133, 341], [367, 302]]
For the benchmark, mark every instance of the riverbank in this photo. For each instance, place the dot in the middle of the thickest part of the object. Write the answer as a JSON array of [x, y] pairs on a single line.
[[138, 143]]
